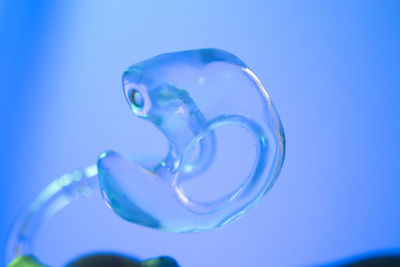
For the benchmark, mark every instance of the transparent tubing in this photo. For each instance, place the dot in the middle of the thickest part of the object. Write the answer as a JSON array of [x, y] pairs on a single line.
[[57, 195], [168, 91]]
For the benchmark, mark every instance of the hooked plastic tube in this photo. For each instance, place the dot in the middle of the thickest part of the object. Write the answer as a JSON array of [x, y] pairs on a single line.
[[188, 96]]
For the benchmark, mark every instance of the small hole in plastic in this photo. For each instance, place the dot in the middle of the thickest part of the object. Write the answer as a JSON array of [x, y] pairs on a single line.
[[136, 99]]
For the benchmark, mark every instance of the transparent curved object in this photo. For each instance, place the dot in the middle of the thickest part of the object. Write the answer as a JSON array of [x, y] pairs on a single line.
[[189, 96], [53, 198]]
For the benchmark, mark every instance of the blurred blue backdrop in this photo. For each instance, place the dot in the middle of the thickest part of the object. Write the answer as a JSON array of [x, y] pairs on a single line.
[[331, 67]]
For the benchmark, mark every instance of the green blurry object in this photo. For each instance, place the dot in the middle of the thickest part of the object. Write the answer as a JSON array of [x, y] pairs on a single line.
[[99, 260], [25, 261]]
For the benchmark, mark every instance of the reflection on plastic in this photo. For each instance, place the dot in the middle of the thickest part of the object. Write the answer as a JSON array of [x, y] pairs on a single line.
[[188, 96]]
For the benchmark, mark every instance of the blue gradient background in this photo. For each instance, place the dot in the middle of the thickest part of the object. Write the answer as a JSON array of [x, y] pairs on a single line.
[[332, 69]]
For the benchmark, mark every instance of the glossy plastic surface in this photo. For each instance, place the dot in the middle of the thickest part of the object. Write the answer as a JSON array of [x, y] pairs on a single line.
[[189, 96]]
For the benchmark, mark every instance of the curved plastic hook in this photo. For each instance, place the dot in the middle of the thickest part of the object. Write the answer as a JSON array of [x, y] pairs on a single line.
[[153, 196]]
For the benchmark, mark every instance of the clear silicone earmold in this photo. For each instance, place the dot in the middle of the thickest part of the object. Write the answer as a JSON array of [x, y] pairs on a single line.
[[188, 96]]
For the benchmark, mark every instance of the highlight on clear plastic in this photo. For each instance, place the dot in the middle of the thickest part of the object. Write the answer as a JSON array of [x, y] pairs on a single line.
[[189, 96]]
